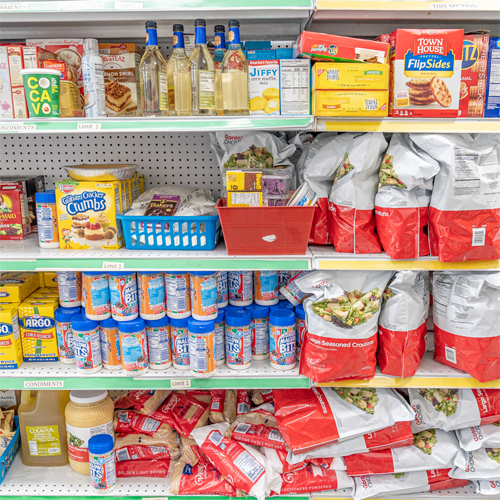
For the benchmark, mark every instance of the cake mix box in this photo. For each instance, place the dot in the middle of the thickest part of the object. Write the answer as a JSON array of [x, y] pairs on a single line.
[[426, 70], [492, 109], [264, 87], [87, 213], [11, 351]]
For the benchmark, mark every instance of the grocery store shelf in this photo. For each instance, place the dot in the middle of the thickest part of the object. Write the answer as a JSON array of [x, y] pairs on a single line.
[[57, 375], [463, 493], [171, 124], [325, 257], [407, 5], [26, 255], [469, 125]]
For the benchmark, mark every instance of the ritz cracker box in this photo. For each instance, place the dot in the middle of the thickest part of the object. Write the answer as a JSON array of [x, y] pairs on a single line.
[[87, 213], [426, 70]]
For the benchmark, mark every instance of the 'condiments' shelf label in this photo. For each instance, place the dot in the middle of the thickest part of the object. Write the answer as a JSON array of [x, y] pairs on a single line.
[[13, 7], [453, 6], [128, 5], [43, 384], [88, 126], [180, 384], [113, 266], [17, 127], [81, 5]]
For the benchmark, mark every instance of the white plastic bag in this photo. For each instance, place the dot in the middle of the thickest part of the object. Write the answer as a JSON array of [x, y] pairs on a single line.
[[478, 464], [479, 436]]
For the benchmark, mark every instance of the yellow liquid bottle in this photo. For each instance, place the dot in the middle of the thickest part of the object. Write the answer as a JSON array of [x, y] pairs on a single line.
[[43, 428], [179, 77]]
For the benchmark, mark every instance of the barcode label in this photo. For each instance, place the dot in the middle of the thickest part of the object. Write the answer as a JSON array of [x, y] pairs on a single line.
[[371, 104], [158, 449], [215, 437], [249, 466], [122, 455], [333, 75], [242, 428], [478, 236], [53, 451], [243, 408], [215, 406], [150, 425], [450, 354], [275, 435]]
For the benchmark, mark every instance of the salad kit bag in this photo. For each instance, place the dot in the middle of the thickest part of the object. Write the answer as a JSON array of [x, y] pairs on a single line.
[[466, 312], [311, 418], [431, 449], [341, 313], [402, 202], [402, 324], [464, 215], [351, 217], [312, 479], [452, 409], [404, 483], [479, 436], [485, 487], [478, 464]]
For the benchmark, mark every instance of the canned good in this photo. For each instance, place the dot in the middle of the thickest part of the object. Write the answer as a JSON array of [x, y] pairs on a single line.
[[96, 292], [64, 333], [133, 347], [266, 290], [282, 339], [180, 343], [86, 344], [222, 291], [151, 295], [238, 339], [110, 344], [260, 331], [240, 285], [69, 285], [203, 295], [177, 286], [220, 339], [102, 463], [300, 329], [202, 348], [160, 353], [123, 295]]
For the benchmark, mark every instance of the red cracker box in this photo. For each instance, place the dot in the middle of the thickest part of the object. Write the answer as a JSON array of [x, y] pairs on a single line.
[[426, 68], [322, 47], [474, 65]]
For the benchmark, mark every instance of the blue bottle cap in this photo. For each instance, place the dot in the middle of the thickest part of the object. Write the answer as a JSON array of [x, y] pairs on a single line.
[[195, 326], [81, 323], [121, 273], [257, 311], [284, 304], [230, 307], [64, 314], [108, 323], [220, 316], [238, 318], [202, 273], [94, 273], [154, 323], [282, 317], [179, 323], [136, 325], [46, 197], [300, 312], [148, 272], [100, 443]]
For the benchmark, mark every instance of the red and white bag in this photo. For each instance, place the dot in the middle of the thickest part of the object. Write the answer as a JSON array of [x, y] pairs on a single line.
[[262, 396], [431, 449], [466, 312], [404, 483], [485, 487], [133, 422], [312, 479], [291, 290], [146, 402], [222, 406], [402, 324], [464, 215], [279, 459], [402, 201], [242, 402], [479, 436], [395, 436], [478, 464], [143, 468], [141, 447], [351, 217], [341, 313], [452, 409], [312, 418]]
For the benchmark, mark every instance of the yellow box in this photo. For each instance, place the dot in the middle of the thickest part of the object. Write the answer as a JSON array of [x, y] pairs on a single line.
[[38, 330], [142, 183], [49, 293], [16, 286], [244, 198], [11, 351], [123, 197], [346, 76], [87, 213], [350, 103], [240, 180], [128, 184], [49, 280]]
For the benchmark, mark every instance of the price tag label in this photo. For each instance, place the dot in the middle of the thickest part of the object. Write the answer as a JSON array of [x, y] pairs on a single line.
[[128, 5], [156, 498], [13, 7], [44, 384], [113, 266], [453, 6], [81, 6], [17, 127], [88, 126], [180, 384]]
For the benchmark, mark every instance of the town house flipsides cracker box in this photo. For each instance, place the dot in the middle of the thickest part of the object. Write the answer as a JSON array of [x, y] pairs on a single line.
[[426, 68]]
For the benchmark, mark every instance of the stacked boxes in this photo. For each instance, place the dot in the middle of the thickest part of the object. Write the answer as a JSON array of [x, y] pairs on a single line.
[[11, 352], [17, 286], [244, 188]]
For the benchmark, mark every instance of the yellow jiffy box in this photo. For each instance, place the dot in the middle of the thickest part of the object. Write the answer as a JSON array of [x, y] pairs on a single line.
[[345, 76], [350, 103], [38, 330], [264, 87], [11, 351], [87, 213]]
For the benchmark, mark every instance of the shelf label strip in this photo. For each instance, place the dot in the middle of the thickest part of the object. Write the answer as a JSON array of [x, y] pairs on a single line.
[[43, 384]]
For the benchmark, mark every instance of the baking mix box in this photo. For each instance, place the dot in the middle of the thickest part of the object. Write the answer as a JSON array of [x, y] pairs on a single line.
[[264, 87], [492, 109], [426, 70], [87, 213], [11, 351], [474, 66], [5, 90]]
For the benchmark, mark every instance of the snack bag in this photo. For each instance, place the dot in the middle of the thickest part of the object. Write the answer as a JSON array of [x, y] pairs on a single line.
[[451, 409], [312, 478], [402, 202], [223, 406], [142, 447], [134, 422], [402, 325], [143, 468], [351, 219], [479, 436], [468, 341], [146, 402], [478, 464], [341, 314], [404, 483], [431, 449], [464, 215], [311, 418]]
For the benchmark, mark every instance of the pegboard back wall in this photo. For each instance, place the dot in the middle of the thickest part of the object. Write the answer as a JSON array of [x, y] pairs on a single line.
[[173, 158]]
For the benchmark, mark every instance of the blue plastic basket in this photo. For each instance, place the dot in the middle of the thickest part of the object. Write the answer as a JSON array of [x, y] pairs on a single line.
[[9, 454], [144, 232]]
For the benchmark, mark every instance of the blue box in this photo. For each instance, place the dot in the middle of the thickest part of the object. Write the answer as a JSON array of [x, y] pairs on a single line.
[[492, 102], [260, 55], [284, 53], [257, 45]]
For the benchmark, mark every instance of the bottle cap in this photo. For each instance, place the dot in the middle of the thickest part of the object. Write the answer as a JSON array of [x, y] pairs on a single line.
[[203, 273], [257, 311], [282, 317], [284, 304], [90, 44], [200, 22], [120, 273], [108, 323], [195, 326], [47, 197], [178, 27], [134, 326], [219, 29], [300, 312], [150, 24], [155, 323], [233, 23], [85, 397], [100, 443], [230, 307], [238, 318], [94, 273], [220, 316], [81, 323], [179, 323], [149, 272], [64, 314]]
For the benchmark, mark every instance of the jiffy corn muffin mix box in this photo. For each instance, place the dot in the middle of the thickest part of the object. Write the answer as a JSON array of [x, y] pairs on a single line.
[[263, 87], [11, 351], [87, 214]]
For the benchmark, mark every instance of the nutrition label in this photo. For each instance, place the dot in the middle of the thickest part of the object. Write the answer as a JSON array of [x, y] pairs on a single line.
[[294, 86]]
